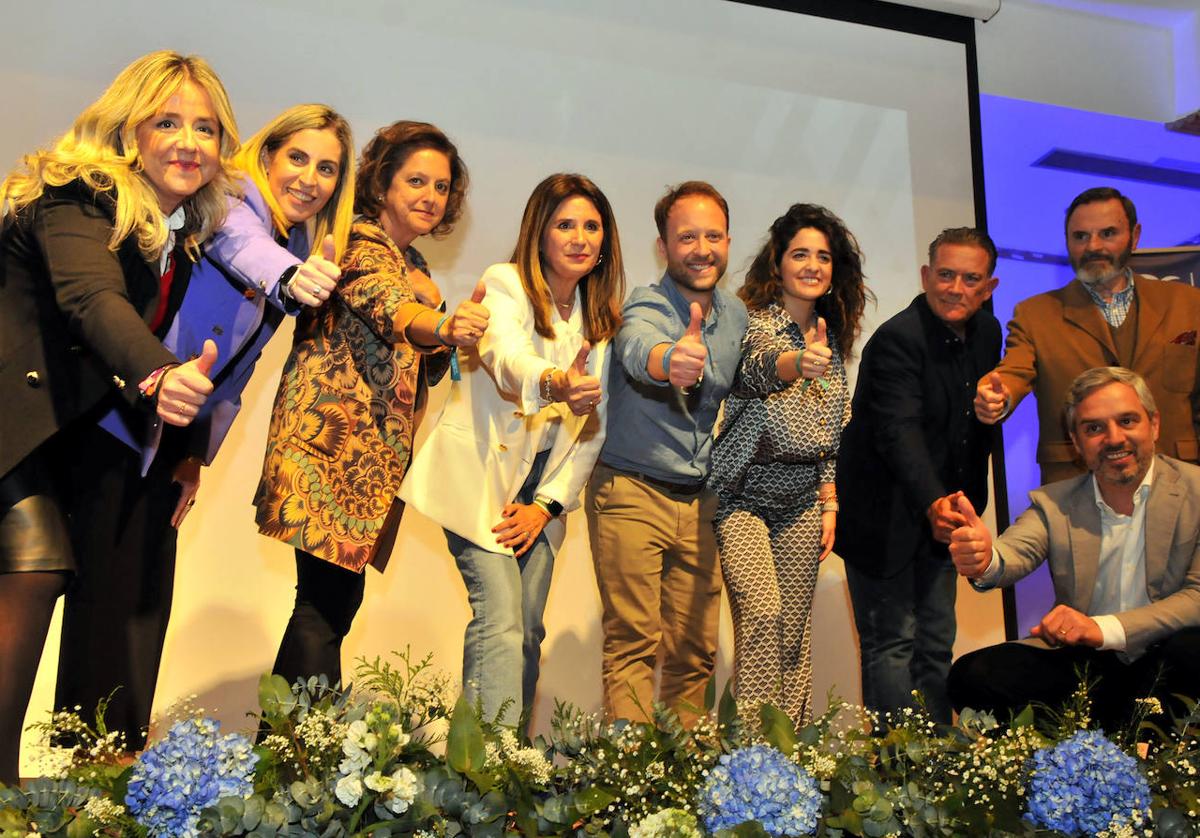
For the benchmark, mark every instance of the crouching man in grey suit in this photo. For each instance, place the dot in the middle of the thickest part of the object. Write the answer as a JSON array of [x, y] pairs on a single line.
[[1124, 553]]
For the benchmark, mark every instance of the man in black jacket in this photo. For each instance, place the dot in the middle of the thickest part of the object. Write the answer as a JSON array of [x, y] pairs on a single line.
[[912, 444]]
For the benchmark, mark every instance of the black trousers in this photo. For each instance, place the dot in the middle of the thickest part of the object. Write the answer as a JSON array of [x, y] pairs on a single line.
[[117, 606], [327, 598], [1004, 678]]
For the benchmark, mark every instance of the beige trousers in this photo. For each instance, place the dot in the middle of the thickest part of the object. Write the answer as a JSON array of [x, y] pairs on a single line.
[[660, 585]]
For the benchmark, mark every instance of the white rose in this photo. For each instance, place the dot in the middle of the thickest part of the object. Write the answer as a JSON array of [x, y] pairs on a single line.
[[349, 789]]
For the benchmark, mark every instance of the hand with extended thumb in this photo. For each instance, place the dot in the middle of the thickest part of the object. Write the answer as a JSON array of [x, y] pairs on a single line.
[[582, 391], [688, 355], [992, 398], [184, 389], [314, 280], [815, 360], [469, 321], [970, 544]]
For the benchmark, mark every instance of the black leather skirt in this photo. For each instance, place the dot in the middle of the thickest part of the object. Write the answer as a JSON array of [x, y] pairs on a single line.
[[33, 529]]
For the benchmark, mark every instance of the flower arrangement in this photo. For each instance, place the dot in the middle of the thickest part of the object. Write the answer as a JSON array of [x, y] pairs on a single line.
[[191, 768], [760, 784], [1085, 785], [398, 755]]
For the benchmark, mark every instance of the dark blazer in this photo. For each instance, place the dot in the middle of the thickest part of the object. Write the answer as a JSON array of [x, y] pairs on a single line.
[[913, 436], [73, 316]]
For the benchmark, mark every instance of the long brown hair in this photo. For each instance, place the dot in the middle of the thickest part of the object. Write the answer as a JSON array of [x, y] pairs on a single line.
[[602, 290], [843, 307]]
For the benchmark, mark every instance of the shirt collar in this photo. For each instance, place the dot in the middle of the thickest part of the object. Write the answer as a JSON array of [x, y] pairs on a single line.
[[177, 219], [683, 307], [1139, 494]]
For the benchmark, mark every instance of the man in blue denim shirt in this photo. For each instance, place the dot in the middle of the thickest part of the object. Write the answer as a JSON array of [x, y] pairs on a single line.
[[649, 513]]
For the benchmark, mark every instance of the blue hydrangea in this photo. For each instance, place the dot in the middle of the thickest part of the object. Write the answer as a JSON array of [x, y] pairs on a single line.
[[192, 767], [1083, 783], [760, 784]]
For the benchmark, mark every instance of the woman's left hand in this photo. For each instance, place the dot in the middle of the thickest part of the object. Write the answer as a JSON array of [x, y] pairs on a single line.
[[187, 475], [470, 320], [828, 526], [522, 524]]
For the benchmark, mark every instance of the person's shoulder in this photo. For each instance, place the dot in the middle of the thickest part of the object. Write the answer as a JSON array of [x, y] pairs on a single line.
[[1177, 471], [78, 191], [1058, 493], [503, 273], [1169, 290], [731, 302], [647, 298]]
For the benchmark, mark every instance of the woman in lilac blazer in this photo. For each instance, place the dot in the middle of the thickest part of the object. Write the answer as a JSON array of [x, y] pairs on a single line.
[[276, 252]]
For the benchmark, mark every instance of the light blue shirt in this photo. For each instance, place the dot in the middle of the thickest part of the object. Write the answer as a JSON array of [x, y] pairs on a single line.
[[654, 428]]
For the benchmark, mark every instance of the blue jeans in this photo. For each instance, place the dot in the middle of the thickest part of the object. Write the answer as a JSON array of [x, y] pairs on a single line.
[[906, 628], [503, 641]]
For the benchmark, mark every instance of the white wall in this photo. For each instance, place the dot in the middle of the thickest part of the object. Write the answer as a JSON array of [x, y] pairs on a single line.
[[1046, 51]]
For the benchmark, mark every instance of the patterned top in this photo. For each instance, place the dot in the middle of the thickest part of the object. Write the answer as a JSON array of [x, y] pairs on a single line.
[[772, 426], [1117, 309], [343, 420]]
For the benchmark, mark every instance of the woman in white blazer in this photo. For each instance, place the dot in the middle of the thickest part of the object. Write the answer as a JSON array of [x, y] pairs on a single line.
[[520, 432]]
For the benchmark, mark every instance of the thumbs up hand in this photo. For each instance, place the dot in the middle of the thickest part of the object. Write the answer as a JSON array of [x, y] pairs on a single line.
[[469, 321], [992, 398], [185, 388], [686, 365], [970, 544], [314, 281], [944, 517], [815, 360], [582, 391]]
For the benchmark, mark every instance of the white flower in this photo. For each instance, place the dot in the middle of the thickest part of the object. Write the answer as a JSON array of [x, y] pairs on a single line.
[[349, 789], [359, 734], [377, 782], [103, 810], [405, 786], [356, 760]]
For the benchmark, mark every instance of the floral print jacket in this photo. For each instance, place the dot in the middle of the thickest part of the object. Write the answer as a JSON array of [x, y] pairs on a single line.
[[342, 425]]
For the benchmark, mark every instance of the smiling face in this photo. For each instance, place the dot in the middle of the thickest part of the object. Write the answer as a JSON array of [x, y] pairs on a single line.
[[957, 283], [572, 240], [1099, 241], [806, 267], [697, 244], [416, 199], [303, 172], [1115, 436], [180, 146]]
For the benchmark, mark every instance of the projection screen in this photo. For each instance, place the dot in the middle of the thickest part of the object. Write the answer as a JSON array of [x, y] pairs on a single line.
[[771, 106]]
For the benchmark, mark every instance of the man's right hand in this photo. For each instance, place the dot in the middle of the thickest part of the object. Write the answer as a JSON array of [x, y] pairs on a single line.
[[970, 544], [992, 398], [686, 365]]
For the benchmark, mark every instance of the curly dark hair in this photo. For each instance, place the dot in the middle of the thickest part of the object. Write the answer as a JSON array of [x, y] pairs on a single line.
[[387, 151], [843, 307]]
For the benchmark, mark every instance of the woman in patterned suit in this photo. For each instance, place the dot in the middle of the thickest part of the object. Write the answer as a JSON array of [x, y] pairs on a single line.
[[344, 416], [775, 457]]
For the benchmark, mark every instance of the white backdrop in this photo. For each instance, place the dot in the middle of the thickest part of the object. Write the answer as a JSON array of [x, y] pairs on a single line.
[[771, 107]]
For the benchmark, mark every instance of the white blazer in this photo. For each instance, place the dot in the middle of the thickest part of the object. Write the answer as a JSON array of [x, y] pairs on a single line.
[[493, 424]]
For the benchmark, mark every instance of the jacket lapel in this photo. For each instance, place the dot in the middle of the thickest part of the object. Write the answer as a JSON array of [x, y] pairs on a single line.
[[1084, 556], [1151, 314], [1162, 512], [1081, 311]]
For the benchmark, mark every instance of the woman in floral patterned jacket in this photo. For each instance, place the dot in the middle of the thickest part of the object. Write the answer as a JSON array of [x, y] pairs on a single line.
[[344, 416]]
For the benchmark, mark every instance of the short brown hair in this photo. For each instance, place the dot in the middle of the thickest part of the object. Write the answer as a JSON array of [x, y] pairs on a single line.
[[689, 187], [970, 236], [388, 150], [1102, 193]]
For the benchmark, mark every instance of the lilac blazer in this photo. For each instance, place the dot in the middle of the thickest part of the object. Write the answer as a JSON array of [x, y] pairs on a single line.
[[234, 299]]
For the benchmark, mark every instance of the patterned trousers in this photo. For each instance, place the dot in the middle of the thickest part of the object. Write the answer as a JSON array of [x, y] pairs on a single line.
[[770, 567]]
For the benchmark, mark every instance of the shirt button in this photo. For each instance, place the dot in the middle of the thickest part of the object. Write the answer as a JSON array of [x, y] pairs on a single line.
[[120, 382], [33, 379], [217, 330], [502, 447]]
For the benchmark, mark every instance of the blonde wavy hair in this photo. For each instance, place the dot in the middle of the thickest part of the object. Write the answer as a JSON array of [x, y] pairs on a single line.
[[101, 150], [254, 158]]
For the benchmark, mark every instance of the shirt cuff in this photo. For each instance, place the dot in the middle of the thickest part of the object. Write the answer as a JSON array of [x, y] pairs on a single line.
[[987, 580], [1111, 632]]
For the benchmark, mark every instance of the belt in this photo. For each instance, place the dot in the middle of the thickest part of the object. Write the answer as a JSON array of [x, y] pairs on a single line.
[[693, 488]]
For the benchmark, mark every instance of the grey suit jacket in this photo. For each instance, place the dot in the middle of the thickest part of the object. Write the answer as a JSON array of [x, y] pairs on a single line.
[[1062, 526]]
